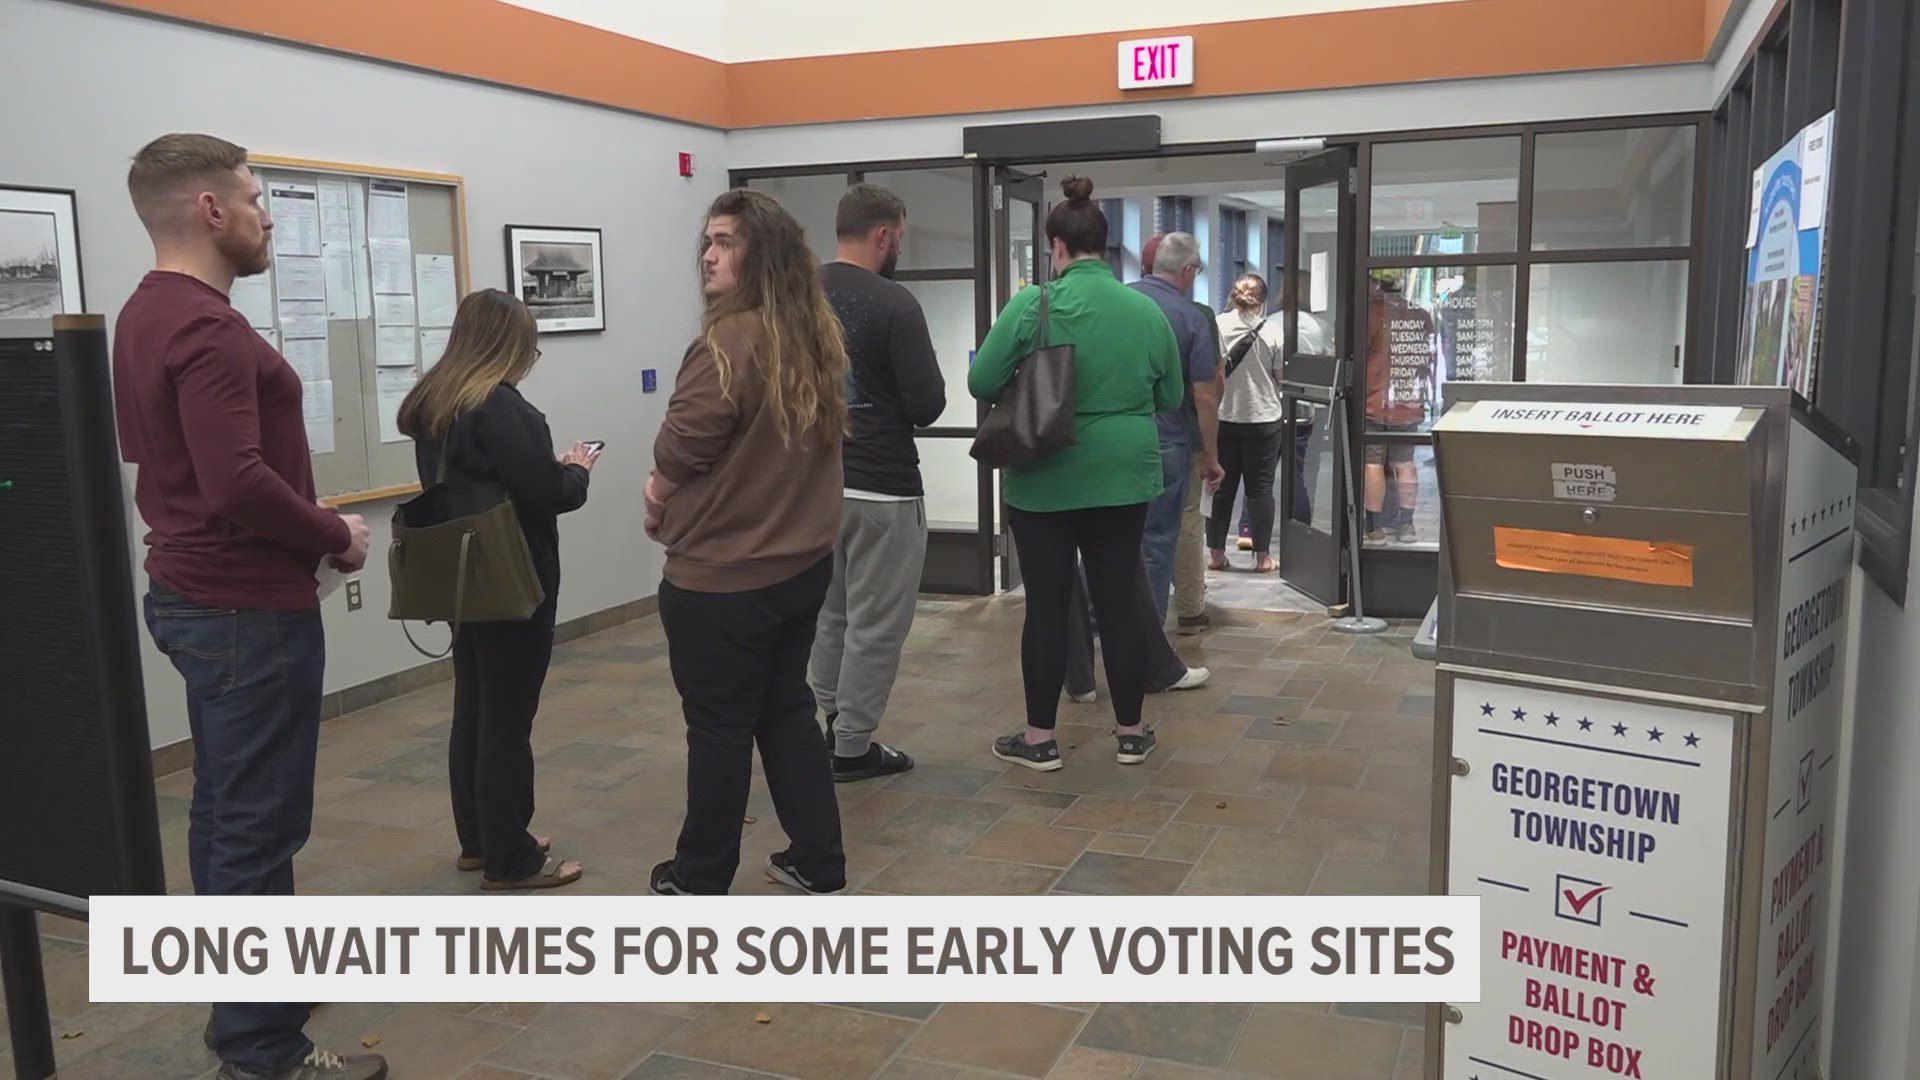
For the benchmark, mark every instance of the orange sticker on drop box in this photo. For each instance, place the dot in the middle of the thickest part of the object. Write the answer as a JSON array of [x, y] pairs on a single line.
[[1640, 561]]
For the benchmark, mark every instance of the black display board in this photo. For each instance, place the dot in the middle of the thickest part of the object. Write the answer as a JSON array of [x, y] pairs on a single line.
[[76, 774]]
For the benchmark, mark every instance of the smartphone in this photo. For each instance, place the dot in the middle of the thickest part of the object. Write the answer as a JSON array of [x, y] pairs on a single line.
[[594, 446]]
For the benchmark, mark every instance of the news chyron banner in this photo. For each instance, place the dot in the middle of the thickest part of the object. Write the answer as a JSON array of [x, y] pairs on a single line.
[[785, 949]]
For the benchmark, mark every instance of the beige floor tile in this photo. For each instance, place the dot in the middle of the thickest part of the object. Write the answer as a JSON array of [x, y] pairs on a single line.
[[809, 1042], [586, 1042], [926, 874], [1040, 845], [1284, 1044], [1024, 1040], [1086, 1063]]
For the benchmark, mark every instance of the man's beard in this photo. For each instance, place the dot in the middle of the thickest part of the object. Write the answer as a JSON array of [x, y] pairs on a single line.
[[249, 261], [890, 264]]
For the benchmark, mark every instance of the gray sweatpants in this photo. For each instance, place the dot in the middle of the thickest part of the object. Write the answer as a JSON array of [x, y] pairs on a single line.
[[863, 625]]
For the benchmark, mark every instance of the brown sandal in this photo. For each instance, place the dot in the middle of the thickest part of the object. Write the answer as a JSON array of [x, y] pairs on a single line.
[[479, 862], [551, 876]]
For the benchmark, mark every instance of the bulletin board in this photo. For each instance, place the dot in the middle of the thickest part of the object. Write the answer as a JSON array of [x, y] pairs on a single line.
[[368, 266]]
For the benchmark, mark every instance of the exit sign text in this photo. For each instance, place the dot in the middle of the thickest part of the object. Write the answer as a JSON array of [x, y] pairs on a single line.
[[1151, 62]]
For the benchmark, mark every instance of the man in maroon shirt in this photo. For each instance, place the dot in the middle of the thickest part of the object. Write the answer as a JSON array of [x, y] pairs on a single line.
[[211, 415]]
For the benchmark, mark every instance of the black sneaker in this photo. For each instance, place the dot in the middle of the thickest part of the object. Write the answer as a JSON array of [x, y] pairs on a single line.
[[317, 1065], [663, 883], [879, 760], [1195, 624], [780, 871], [1044, 757], [1135, 748]]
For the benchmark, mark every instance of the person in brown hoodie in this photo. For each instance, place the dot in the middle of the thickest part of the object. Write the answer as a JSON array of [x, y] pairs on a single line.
[[746, 496]]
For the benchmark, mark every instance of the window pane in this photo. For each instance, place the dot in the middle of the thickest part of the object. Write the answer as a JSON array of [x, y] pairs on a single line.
[[949, 309], [1621, 322], [952, 480], [1402, 496], [1448, 197], [1318, 267], [939, 216], [1625, 188], [1429, 326], [814, 201]]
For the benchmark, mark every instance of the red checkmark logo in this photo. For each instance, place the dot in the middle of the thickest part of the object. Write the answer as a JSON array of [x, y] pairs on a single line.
[[1579, 903]]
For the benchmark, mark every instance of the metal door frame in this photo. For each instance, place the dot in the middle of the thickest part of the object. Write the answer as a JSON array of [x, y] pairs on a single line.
[[1310, 561]]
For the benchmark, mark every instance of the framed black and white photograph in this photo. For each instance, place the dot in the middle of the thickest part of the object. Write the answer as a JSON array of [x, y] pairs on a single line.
[[39, 254], [557, 272]]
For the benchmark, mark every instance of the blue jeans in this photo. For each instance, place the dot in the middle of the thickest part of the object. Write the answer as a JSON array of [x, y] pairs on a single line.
[[1162, 540], [253, 703]]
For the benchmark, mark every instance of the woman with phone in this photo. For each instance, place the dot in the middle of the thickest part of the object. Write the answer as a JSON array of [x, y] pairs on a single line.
[[468, 410]]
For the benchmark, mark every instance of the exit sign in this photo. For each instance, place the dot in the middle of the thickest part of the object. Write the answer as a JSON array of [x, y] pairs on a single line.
[[1151, 62]]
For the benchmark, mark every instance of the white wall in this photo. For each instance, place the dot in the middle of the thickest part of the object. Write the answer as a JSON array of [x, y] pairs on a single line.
[[739, 30], [1875, 1010], [1464, 102], [112, 81]]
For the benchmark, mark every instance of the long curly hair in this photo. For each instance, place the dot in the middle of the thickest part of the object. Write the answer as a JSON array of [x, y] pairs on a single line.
[[804, 358]]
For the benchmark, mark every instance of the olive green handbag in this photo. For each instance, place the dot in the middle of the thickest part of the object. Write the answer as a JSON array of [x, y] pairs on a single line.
[[458, 556]]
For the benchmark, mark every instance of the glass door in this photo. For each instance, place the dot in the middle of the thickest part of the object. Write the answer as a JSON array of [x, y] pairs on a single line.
[[1316, 300], [947, 262], [1020, 259]]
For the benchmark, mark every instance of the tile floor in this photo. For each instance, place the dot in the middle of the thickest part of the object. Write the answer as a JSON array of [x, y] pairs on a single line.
[[1333, 801]]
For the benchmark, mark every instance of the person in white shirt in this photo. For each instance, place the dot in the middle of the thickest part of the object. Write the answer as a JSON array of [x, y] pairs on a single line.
[[1250, 420]]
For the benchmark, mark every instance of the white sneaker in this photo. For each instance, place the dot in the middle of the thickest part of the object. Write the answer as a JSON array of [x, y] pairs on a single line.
[[1194, 679], [1087, 698]]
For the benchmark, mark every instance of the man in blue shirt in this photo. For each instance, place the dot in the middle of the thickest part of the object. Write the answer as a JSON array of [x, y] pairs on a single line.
[[1191, 429]]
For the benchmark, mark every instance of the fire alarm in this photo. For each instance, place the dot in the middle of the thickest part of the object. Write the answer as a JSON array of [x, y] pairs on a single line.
[[686, 164]]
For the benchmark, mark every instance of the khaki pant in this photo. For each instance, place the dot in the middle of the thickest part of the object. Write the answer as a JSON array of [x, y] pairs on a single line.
[[1190, 562]]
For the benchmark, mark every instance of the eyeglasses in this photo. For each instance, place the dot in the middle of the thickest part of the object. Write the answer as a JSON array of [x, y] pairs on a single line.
[[536, 356]]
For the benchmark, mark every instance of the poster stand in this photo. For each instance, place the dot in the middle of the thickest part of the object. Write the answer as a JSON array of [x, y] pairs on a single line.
[[76, 783]]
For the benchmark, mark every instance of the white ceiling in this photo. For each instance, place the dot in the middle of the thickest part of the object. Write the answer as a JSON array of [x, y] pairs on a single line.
[[735, 31]]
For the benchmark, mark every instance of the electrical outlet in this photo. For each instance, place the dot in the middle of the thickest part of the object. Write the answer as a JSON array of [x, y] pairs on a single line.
[[353, 595]]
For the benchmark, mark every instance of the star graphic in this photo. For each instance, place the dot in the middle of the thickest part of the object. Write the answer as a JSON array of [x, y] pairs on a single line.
[[1653, 734], [1619, 728], [1586, 724], [1693, 740], [1520, 715], [1552, 720], [1486, 710]]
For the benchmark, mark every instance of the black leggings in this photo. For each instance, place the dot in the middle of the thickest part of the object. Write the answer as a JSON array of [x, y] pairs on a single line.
[[1250, 452], [498, 671], [1108, 541]]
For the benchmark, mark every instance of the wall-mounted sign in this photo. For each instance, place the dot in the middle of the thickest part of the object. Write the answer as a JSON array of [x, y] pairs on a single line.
[[1149, 62]]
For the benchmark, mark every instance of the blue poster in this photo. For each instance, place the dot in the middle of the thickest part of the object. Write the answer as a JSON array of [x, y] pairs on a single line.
[[1785, 249]]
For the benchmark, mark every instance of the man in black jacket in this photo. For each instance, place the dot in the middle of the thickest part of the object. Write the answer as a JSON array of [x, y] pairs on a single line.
[[894, 385]]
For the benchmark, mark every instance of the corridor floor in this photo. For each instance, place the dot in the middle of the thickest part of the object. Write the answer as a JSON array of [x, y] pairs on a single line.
[[1333, 801]]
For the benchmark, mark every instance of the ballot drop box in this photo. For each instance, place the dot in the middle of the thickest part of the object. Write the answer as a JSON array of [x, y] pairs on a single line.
[[1642, 622]]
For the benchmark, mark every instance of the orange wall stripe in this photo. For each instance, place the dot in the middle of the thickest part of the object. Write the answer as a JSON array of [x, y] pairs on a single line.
[[1469, 39], [484, 39], [496, 42]]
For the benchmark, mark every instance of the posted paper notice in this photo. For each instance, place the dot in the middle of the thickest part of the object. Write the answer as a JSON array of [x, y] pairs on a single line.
[[392, 266], [438, 298], [303, 319], [433, 343], [300, 278], [387, 211], [253, 297], [308, 357], [393, 310], [393, 385], [394, 345], [296, 218], [318, 400]]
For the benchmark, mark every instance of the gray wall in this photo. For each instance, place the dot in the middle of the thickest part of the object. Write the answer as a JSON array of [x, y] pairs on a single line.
[[105, 82]]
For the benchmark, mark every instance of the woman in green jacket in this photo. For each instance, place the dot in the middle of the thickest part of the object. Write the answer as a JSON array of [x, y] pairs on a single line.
[[1089, 499]]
